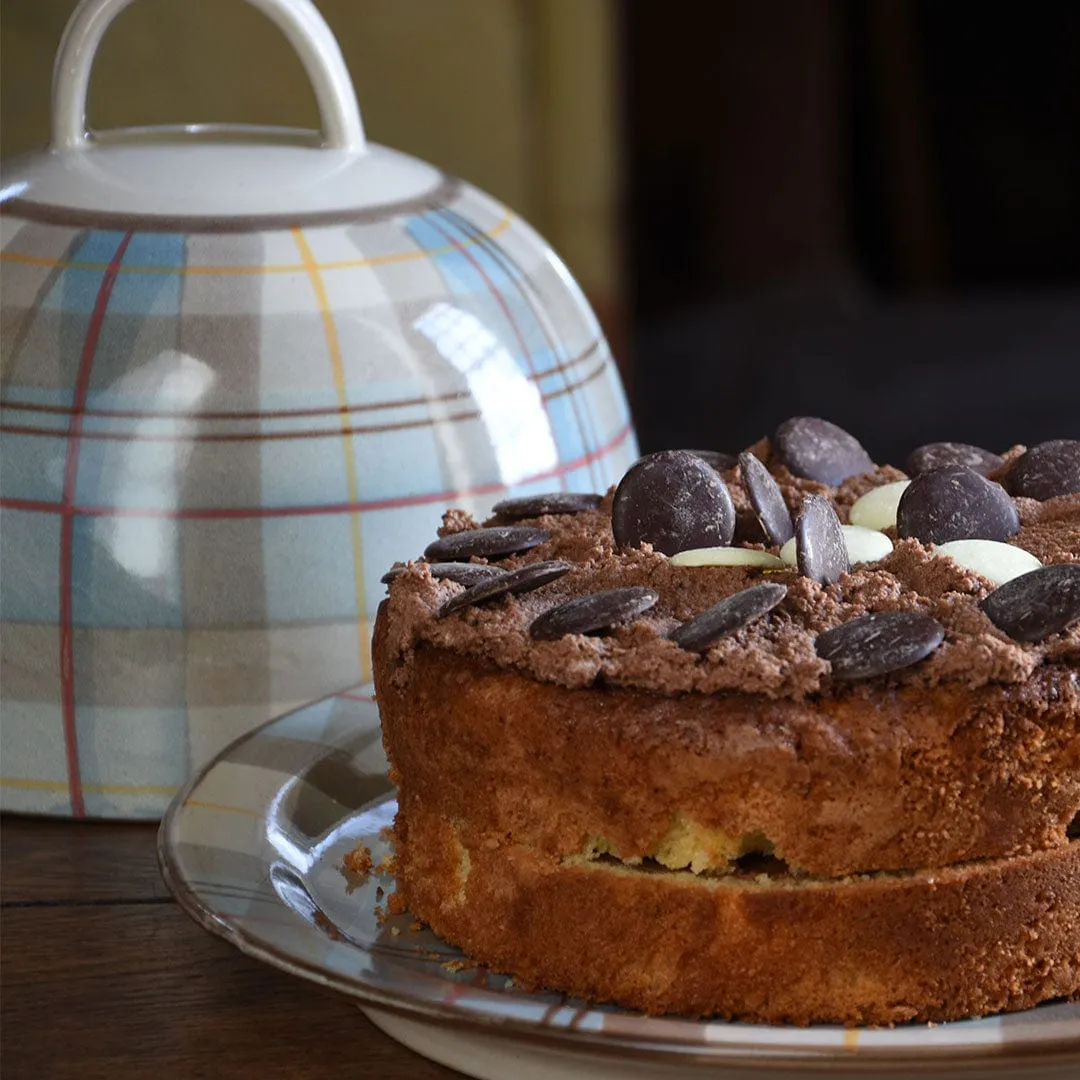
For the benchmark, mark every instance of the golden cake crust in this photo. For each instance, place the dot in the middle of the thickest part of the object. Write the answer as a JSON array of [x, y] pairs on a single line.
[[935, 945], [901, 778]]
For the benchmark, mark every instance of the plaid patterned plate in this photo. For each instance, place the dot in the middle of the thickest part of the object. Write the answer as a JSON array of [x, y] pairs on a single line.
[[254, 850]]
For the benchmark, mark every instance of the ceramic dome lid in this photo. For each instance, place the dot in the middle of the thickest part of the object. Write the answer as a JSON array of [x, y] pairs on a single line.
[[229, 174]]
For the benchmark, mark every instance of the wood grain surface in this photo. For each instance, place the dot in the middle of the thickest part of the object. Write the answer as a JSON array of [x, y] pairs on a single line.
[[104, 976]]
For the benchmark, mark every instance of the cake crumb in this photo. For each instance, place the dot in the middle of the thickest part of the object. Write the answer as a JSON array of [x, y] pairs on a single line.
[[455, 521], [359, 860], [395, 904], [455, 966]]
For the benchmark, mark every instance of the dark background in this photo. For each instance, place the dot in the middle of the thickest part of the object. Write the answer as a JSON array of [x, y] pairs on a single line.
[[862, 209]]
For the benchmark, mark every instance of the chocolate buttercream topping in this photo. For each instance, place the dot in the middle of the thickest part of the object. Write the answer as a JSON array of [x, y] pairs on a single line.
[[774, 655]]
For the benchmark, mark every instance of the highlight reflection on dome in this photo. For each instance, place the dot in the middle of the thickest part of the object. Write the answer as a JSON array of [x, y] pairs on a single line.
[[510, 405]]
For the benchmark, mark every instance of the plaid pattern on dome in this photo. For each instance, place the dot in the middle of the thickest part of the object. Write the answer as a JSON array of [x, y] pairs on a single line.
[[214, 445]]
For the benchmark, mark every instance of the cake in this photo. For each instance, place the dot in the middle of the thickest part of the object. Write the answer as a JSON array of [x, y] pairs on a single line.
[[706, 745]]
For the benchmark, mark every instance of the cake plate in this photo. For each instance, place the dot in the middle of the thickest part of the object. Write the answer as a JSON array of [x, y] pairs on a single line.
[[254, 850]]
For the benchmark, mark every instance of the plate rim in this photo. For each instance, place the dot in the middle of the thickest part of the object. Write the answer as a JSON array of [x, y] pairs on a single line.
[[996, 1056]]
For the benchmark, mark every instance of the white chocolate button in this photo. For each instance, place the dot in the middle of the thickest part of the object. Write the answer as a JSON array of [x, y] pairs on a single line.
[[726, 556], [863, 545], [991, 559], [877, 508]]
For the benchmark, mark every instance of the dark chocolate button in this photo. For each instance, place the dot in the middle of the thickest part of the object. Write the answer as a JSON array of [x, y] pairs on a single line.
[[955, 504], [766, 500], [674, 501], [731, 614], [595, 612], [462, 573], [555, 502], [1047, 470], [820, 550], [486, 543], [524, 579], [877, 644], [938, 455], [716, 458], [818, 450], [1036, 605]]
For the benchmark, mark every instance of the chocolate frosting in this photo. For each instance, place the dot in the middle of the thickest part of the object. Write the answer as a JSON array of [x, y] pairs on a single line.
[[774, 656]]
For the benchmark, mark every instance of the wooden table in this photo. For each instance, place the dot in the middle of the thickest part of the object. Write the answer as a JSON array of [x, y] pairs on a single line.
[[102, 975]]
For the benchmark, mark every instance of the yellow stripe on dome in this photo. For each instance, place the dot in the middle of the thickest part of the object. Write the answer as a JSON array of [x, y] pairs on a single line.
[[333, 346], [93, 789]]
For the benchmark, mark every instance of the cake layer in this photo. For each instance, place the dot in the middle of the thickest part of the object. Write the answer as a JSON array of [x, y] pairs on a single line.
[[929, 945], [871, 778]]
